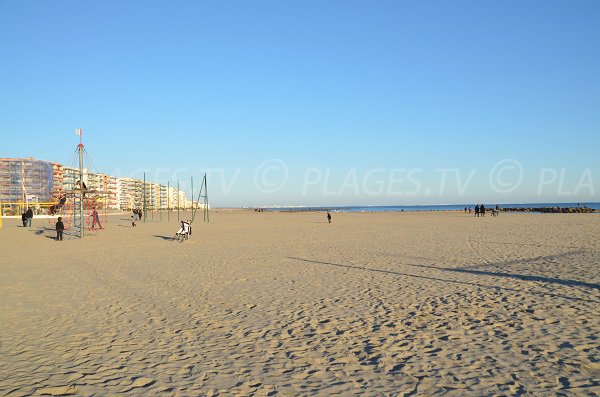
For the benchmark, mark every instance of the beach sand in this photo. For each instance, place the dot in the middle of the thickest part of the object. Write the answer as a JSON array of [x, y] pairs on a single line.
[[285, 304]]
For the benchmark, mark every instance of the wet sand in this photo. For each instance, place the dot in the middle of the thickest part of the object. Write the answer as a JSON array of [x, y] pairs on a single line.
[[285, 304]]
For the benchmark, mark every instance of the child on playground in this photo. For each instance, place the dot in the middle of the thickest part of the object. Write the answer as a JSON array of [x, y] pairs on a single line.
[[95, 219], [60, 227]]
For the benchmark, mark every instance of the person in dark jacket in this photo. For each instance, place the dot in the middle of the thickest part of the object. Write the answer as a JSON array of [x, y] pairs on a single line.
[[328, 217], [60, 227], [29, 215], [24, 219]]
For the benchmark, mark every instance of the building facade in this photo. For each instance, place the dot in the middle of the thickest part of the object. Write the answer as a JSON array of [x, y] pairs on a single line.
[[27, 180]]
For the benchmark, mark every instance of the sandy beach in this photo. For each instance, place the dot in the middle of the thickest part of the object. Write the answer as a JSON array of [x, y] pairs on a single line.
[[285, 304]]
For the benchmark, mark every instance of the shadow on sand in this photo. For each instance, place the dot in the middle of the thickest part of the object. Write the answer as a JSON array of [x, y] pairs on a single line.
[[43, 230], [168, 238], [548, 280]]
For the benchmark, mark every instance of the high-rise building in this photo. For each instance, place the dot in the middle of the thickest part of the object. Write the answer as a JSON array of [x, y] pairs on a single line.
[[26, 180]]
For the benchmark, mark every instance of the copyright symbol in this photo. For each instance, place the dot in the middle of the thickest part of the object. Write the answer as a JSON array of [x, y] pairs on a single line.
[[506, 176], [270, 176]]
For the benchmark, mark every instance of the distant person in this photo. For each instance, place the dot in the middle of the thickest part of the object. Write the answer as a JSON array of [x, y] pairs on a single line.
[[328, 217], [477, 210], [465, 210], [29, 216], [134, 218], [470, 210], [482, 210], [24, 219], [60, 227], [95, 219]]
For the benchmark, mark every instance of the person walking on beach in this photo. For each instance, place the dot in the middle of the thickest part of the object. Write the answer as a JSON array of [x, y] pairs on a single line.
[[138, 213], [482, 210], [29, 216], [328, 217], [95, 219], [477, 210], [60, 227]]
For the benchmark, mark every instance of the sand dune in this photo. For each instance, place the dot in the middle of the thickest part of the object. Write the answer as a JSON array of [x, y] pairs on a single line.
[[284, 304]]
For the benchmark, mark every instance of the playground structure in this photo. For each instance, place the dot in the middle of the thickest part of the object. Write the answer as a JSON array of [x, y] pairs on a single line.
[[52, 190], [86, 202], [81, 209], [74, 218]]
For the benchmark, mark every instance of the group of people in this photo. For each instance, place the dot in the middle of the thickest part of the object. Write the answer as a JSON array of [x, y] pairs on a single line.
[[26, 217], [480, 210]]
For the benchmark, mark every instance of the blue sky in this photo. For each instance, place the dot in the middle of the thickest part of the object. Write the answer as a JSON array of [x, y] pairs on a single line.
[[313, 102]]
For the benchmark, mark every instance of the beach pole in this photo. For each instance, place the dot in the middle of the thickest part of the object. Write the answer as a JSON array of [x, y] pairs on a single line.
[[160, 201], [198, 199], [206, 199], [144, 196]]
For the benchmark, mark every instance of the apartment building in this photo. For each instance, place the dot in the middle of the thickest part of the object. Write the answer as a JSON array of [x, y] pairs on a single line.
[[26, 180], [31, 180]]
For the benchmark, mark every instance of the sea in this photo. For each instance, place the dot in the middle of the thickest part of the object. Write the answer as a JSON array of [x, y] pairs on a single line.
[[415, 208]]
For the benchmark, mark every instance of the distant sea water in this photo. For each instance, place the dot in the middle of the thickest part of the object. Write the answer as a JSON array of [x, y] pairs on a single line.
[[413, 208]]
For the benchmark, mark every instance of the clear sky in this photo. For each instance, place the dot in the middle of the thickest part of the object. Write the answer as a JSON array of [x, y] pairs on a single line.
[[313, 102]]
